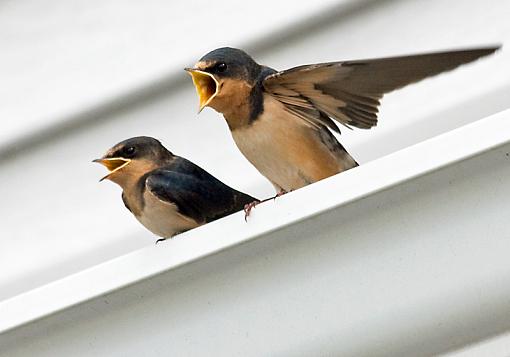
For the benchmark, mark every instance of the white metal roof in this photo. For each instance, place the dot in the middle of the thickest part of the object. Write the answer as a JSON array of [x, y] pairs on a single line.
[[411, 260]]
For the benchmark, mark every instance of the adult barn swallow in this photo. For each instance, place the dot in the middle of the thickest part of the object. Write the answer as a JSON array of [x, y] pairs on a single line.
[[167, 193], [282, 121]]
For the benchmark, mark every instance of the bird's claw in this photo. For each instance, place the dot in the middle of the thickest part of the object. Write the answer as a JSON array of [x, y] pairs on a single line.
[[280, 193], [160, 240], [248, 207]]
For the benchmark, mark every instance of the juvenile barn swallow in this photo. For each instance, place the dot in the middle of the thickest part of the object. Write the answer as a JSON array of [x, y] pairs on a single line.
[[282, 121], [167, 193]]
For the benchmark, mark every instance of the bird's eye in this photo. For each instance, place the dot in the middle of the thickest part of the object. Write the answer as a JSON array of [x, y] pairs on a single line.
[[129, 151], [221, 67]]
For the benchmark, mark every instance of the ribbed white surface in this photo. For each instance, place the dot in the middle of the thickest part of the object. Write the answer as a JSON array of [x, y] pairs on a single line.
[[61, 59], [54, 211], [417, 267]]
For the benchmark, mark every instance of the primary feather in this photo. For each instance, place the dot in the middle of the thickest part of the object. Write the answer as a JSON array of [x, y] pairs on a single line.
[[350, 91]]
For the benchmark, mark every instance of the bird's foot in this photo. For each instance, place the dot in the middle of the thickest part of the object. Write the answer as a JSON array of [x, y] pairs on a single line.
[[161, 240], [280, 193], [248, 207]]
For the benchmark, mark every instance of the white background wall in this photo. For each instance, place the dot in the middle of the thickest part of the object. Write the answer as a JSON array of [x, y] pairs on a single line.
[[66, 69]]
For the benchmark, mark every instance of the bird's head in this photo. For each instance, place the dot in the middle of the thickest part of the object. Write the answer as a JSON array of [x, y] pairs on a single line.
[[221, 75], [132, 158]]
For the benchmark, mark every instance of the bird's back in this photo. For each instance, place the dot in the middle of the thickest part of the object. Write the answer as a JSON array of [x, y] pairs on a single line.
[[202, 195]]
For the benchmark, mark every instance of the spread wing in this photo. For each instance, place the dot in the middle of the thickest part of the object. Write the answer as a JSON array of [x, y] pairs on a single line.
[[195, 192], [350, 91]]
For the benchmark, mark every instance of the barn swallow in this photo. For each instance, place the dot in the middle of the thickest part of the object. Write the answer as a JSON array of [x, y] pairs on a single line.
[[167, 193], [283, 122]]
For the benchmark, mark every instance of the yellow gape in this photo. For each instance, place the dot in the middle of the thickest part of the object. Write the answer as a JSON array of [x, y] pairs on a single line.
[[206, 86]]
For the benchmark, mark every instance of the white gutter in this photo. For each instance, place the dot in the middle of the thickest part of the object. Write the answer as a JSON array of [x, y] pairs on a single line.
[[313, 200], [497, 346]]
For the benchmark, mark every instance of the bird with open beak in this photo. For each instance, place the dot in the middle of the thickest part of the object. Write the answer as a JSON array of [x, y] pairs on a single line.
[[167, 193], [283, 122]]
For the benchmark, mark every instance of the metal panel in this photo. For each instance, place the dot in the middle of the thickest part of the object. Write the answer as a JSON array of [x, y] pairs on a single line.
[[335, 268], [55, 213], [415, 269]]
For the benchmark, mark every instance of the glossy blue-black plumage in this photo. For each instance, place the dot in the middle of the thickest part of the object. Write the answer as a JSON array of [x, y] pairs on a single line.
[[195, 192]]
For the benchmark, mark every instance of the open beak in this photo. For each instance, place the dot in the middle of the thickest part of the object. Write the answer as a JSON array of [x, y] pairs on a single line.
[[113, 164], [206, 85]]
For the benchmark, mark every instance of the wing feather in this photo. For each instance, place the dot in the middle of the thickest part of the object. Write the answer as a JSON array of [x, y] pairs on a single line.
[[350, 91], [195, 192]]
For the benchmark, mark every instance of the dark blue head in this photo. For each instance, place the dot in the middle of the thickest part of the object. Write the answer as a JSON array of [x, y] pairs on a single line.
[[228, 62], [140, 147], [224, 79], [131, 158]]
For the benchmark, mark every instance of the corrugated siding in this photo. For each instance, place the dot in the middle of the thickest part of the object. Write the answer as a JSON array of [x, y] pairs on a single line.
[[79, 77]]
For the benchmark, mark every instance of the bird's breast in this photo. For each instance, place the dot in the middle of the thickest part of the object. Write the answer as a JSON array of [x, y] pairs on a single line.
[[285, 149], [163, 218]]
